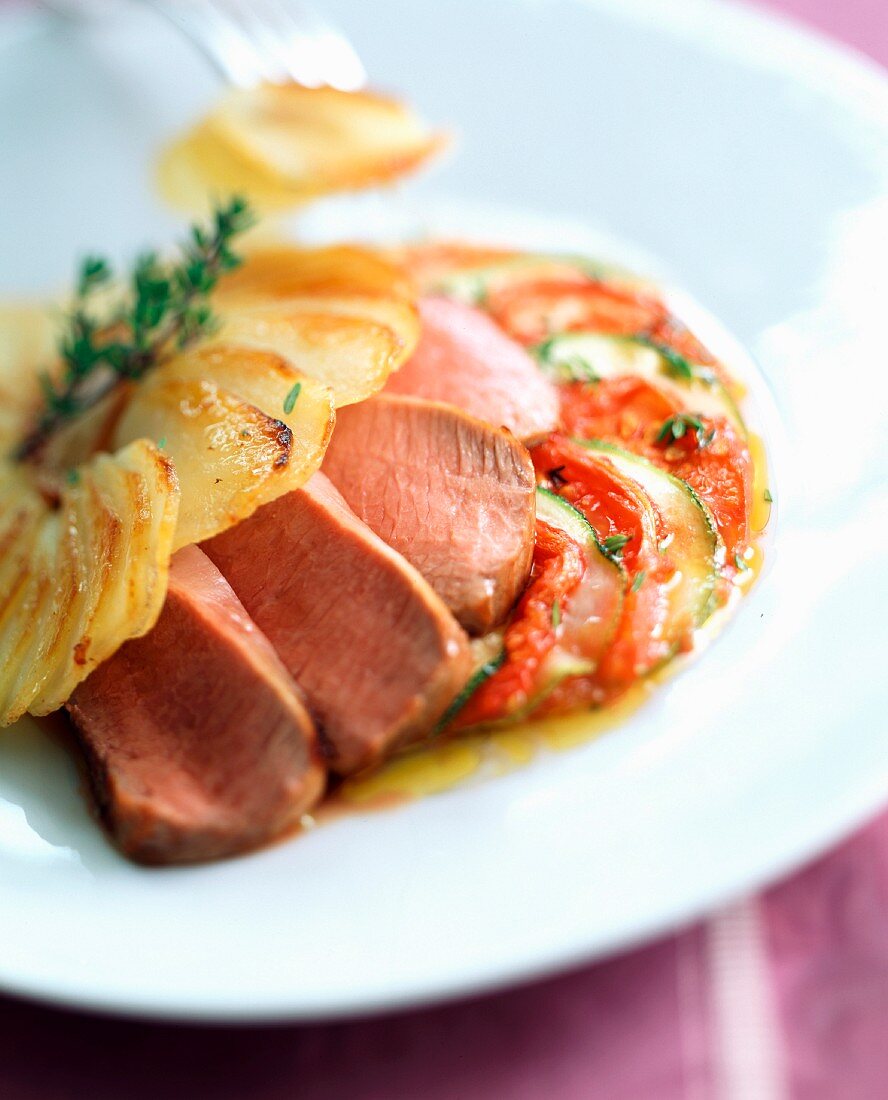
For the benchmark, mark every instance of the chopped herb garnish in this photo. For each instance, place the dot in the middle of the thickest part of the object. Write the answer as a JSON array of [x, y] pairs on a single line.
[[290, 399], [676, 364], [613, 546], [740, 563], [556, 614], [561, 367], [554, 475], [73, 477], [166, 309], [676, 427], [639, 581], [161, 443], [768, 498]]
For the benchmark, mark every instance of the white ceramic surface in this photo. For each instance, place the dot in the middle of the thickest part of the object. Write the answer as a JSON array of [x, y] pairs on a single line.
[[752, 161]]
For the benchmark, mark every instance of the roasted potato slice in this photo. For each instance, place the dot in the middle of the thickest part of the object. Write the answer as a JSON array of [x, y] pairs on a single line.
[[230, 456], [198, 166], [344, 315], [267, 381], [318, 140], [352, 355], [286, 271], [81, 575]]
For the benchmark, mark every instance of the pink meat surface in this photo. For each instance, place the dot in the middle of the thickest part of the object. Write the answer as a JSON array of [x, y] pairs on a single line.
[[375, 650], [197, 739], [465, 359], [452, 494]]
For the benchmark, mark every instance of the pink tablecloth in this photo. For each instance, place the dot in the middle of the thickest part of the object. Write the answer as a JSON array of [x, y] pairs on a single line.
[[780, 996]]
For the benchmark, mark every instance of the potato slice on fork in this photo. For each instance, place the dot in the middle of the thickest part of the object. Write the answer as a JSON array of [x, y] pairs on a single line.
[[316, 140]]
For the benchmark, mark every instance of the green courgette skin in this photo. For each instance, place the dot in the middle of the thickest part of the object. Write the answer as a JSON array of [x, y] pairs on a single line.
[[694, 545], [579, 356], [478, 677]]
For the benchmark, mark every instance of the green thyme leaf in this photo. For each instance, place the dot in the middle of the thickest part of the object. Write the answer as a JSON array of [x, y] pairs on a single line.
[[740, 563], [613, 546], [768, 498], [94, 271], [556, 614], [639, 581], [676, 427], [290, 399]]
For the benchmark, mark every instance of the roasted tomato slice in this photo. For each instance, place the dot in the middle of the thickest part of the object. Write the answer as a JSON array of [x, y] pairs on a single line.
[[532, 311], [709, 454], [626, 521], [720, 473], [626, 408], [558, 567]]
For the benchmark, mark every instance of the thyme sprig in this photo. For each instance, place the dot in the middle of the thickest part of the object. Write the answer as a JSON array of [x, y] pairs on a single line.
[[676, 365], [676, 427], [561, 367], [166, 308]]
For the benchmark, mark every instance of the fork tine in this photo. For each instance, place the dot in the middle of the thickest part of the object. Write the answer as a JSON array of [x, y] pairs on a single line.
[[255, 22], [338, 62], [275, 40], [272, 25], [218, 37], [303, 46]]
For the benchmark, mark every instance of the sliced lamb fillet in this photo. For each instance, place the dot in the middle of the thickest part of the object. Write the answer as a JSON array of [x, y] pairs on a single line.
[[465, 359], [452, 494], [376, 652], [198, 742]]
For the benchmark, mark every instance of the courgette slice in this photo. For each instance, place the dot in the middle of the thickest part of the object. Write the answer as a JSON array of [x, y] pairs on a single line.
[[559, 513], [586, 356], [482, 673], [587, 623], [691, 543], [472, 285], [589, 619]]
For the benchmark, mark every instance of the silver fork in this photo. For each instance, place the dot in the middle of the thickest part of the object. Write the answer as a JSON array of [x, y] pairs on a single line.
[[251, 41]]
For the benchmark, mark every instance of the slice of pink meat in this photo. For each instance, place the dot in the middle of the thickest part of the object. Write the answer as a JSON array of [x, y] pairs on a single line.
[[197, 740], [465, 359], [376, 652], [452, 494]]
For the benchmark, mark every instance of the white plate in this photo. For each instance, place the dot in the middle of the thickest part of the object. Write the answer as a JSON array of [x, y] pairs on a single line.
[[752, 160]]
